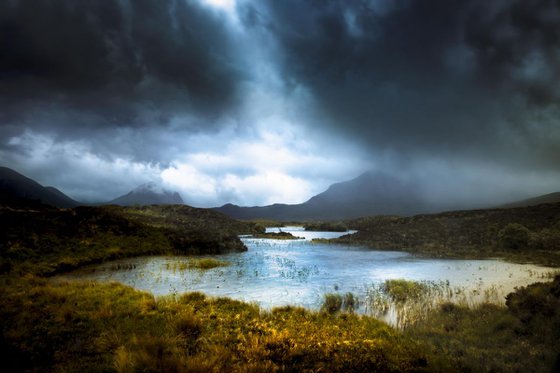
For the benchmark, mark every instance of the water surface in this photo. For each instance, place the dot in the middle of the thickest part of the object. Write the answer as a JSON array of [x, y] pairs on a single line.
[[299, 272]]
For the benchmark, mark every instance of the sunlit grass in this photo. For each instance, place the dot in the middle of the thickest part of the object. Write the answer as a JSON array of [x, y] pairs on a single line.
[[88, 326], [196, 263], [128, 330]]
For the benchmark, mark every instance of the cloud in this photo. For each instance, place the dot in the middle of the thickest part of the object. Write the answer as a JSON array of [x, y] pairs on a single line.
[[75, 168], [126, 63], [264, 101], [273, 165], [414, 78]]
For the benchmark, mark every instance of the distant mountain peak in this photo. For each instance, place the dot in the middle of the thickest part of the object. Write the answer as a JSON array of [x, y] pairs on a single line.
[[150, 193], [371, 193], [151, 187]]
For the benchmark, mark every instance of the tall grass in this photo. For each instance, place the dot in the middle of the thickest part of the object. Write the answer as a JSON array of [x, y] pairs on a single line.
[[85, 326], [403, 303], [90, 326], [196, 263]]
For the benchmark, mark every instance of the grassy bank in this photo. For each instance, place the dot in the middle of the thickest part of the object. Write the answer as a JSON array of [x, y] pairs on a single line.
[[523, 336], [71, 326], [326, 226], [527, 234], [109, 327], [48, 241], [277, 236]]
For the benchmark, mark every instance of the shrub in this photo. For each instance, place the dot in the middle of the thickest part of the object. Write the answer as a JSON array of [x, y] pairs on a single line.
[[547, 239], [349, 302], [332, 303], [206, 263], [401, 291], [514, 236]]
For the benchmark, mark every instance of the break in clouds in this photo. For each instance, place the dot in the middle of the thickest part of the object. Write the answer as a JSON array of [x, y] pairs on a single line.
[[255, 102]]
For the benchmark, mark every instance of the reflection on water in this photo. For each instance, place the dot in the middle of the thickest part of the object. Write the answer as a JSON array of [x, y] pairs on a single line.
[[299, 272]]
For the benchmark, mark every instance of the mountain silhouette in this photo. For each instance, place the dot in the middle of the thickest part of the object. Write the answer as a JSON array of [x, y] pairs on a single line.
[[16, 189], [372, 193], [148, 194]]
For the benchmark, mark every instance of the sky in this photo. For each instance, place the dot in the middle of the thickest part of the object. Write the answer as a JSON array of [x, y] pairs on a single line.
[[262, 101]]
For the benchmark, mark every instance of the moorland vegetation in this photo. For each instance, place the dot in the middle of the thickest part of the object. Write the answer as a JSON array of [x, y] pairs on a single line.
[[524, 234], [60, 326]]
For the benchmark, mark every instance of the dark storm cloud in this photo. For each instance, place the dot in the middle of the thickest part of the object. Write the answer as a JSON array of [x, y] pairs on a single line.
[[113, 63], [425, 77], [517, 46], [460, 95]]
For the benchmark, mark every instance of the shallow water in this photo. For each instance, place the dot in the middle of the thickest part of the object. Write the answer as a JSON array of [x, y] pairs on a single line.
[[299, 272]]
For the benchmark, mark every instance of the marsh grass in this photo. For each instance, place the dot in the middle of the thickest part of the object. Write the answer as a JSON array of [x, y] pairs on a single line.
[[332, 303], [403, 303], [86, 326], [196, 263]]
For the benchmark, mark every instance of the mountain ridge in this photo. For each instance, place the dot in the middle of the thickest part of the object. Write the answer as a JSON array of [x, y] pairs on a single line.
[[371, 193], [533, 201], [16, 188]]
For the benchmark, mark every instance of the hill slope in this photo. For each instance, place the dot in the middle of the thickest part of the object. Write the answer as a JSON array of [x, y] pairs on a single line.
[[16, 189], [526, 233], [368, 194], [48, 241], [546, 198]]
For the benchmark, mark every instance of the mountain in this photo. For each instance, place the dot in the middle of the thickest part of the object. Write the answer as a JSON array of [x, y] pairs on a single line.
[[148, 194], [16, 189], [546, 198], [369, 194]]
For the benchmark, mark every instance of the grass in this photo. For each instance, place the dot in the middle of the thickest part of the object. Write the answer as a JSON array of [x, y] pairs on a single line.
[[51, 241], [57, 326], [326, 226], [525, 235], [401, 291], [524, 335], [197, 263], [87, 326], [277, 236]]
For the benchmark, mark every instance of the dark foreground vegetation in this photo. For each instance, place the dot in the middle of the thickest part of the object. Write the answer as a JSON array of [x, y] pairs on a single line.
[[527, 234], [49, 325], [322, 226], [86, 326], [46, 240], [277, 236]]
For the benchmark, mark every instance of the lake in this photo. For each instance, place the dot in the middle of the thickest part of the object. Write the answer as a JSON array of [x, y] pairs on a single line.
[[299, 272]]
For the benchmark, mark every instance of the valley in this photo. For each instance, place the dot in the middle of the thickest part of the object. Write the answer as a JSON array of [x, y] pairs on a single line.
[[178, 288]]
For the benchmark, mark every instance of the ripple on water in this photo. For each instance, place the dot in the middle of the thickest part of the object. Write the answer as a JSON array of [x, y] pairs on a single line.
[[299, 272]]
